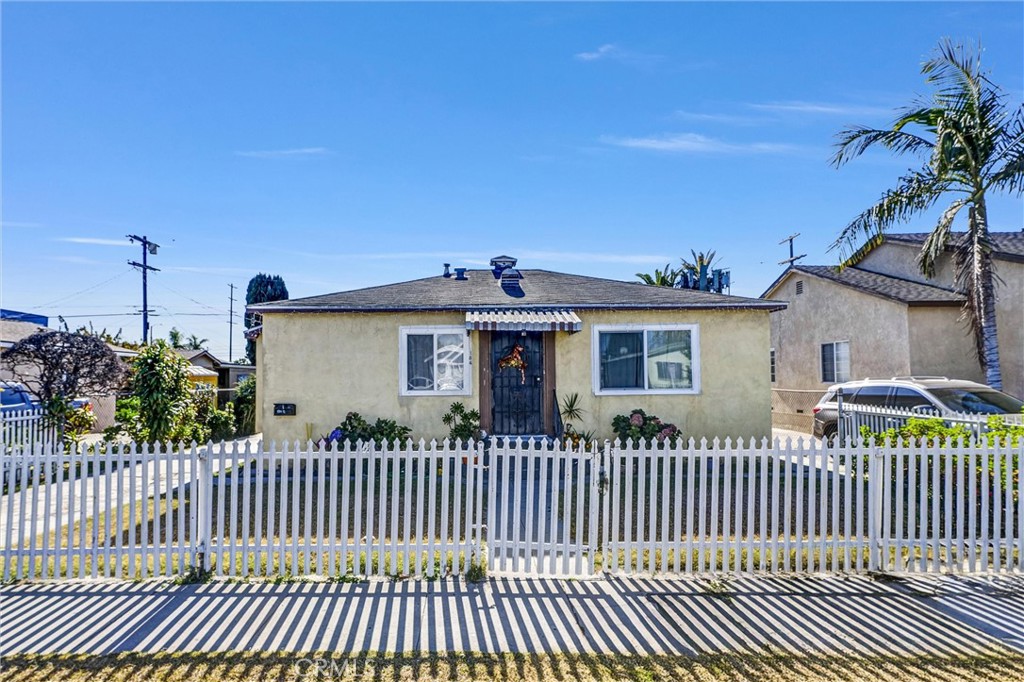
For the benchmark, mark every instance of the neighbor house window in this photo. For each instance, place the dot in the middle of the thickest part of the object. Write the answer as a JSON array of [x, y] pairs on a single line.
[[433, 361], [646, 359], [835, 362], [771, 363]]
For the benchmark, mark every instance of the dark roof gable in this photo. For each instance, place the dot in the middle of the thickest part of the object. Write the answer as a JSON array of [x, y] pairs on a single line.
[[539, 289], [876, 284]]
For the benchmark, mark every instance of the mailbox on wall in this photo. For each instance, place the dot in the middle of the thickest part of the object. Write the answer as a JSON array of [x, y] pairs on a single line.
[[284, 409]]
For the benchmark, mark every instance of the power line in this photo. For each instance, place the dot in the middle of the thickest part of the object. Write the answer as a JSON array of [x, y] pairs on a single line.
[[79, 293], [189, 298]]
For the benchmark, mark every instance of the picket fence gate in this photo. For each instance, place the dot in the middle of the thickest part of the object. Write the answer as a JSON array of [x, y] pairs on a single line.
[[513, 507]]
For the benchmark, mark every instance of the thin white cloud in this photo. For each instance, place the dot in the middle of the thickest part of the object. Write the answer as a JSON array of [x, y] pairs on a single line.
[[299, 152], [694, 143], [717, 118], [608, 50], [14, 224], [96, 241], [822, 108], [612, 52]]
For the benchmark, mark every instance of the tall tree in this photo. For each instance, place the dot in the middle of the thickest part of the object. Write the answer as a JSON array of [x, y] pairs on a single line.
[[58, 366], [174, 337], [971, 143], [262, 289], [195, 343]]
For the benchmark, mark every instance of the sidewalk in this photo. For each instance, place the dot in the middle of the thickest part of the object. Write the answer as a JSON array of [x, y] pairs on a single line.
[[830, 615]]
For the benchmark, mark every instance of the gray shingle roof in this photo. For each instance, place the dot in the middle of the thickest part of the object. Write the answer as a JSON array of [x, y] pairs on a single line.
[[886, 286], [539, 289], [1006, 245]]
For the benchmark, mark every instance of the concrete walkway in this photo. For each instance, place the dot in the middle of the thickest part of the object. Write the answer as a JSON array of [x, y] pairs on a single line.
[[940, 615]]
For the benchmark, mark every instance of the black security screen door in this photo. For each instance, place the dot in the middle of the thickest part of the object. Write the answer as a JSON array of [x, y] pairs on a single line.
[[518, 396]]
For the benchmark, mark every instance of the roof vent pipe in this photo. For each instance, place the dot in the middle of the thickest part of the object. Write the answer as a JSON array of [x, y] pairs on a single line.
[[446, 273], [460, 274], [502, 263]]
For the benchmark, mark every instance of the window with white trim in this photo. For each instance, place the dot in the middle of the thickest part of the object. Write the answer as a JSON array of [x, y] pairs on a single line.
[[433, 361], [653, 358], [835, 362]]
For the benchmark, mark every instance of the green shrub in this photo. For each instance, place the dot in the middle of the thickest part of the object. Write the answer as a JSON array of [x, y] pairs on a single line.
[[462, 424], [127, 422], [355, 429], [245, 406], [637, 426], [78, 421]]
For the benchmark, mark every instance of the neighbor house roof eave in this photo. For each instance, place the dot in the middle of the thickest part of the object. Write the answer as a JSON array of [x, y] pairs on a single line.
[[864, 290], [769, 306]]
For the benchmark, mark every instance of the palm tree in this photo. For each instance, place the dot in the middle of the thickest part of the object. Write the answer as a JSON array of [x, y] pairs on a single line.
[[195, 343], [174, 336], [666, 278], [971, 143]]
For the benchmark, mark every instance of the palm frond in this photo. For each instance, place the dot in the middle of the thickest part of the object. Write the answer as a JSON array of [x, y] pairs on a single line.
[[935, 244], [916, 192], [855, 140]]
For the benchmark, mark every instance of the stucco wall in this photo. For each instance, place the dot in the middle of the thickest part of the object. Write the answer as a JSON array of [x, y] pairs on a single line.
[[827, 312], [329, 364], [941, 346], [900, 260], [1010, 325], [735, 395]]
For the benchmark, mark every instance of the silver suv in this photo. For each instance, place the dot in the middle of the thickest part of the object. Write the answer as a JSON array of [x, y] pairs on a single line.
[[927, 395]]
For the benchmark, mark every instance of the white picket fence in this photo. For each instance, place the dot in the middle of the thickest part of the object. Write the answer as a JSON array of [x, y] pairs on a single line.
[[809, 508], [514, 507], [880, 419], [22, 429]]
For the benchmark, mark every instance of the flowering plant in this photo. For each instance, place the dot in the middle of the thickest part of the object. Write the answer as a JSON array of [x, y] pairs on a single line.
[[638, 425]]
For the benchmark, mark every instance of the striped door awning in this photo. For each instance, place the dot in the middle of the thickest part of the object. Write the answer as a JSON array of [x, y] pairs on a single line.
[[524, 320]]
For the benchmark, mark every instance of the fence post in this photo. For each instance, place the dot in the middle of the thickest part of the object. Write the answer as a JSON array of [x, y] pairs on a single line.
[[876, 489], [204, 482]]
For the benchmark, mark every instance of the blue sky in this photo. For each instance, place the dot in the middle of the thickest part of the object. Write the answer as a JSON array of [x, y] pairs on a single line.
[[348, 145]]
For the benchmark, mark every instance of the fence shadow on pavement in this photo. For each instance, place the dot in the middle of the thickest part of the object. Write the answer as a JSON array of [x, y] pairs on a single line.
[[692, 616]]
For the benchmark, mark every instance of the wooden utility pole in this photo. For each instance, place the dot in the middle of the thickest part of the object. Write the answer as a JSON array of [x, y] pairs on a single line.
[[231, 324], [148, 248]]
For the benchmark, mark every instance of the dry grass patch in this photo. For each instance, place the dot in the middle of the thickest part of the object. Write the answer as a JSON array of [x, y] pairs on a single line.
[[236, 667]]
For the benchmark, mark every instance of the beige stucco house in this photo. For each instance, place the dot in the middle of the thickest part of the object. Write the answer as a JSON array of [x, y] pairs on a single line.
[[880, 317], [407, 351]]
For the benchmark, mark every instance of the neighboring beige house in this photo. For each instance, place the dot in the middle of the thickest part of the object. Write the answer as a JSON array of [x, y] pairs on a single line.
[[407, 351], [880, 317]]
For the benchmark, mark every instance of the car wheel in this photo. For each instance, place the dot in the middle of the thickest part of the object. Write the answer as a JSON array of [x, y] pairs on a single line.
[[830, 432]]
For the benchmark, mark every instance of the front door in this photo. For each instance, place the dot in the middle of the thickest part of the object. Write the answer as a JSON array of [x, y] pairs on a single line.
[[517, 384]]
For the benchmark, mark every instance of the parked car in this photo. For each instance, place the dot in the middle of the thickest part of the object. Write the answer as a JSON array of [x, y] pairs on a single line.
[[927, 395], [14, 396]]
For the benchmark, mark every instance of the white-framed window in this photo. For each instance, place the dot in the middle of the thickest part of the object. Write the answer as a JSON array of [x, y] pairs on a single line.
[[433, 361], [835, 362], [646, 359]]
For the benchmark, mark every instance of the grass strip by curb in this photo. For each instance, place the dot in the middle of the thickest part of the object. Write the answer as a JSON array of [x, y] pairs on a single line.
[[310, 667]]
